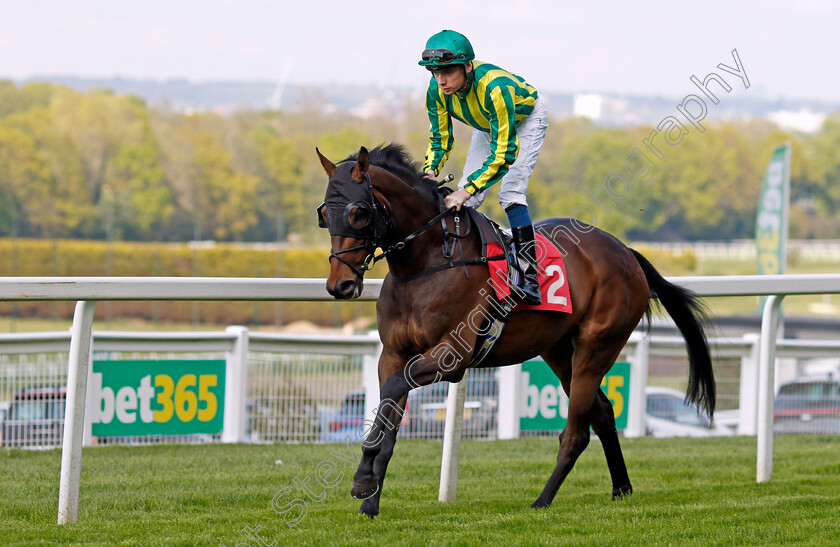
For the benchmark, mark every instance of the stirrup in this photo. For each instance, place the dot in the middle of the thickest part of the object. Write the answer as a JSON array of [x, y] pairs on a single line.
[[530, 288], [526, 257]]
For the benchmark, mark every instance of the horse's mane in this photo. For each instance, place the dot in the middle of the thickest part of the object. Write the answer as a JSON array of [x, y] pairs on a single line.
[[395, 159]]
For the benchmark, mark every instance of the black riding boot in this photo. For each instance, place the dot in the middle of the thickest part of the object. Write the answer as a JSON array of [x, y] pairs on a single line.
[[526, 255]]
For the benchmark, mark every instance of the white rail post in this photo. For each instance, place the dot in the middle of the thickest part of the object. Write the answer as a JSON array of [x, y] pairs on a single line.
[[370, 380], [74, 415], [509, 380], [452, 440], [748, 391], [766, 387], [87, 436], [637, 404], [236, 380]]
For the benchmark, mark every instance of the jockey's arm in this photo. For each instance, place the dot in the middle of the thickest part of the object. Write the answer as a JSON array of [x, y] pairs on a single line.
[[440, 131], [504, 143]]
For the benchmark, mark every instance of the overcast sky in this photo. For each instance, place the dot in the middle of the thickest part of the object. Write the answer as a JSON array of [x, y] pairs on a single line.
[[789, 49]]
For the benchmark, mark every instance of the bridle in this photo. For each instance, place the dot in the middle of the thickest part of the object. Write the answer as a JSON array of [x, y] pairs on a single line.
[[370, 220], [375, 227]]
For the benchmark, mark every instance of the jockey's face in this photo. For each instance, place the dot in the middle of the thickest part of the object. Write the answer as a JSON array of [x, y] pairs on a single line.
[[452, 79]]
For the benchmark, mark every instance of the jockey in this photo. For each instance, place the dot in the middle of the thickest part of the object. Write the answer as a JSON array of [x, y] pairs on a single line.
[[509, 120]]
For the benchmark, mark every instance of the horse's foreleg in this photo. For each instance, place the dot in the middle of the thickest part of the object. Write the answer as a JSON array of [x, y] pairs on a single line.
[[382, 434], [378, 446], [370, 506]]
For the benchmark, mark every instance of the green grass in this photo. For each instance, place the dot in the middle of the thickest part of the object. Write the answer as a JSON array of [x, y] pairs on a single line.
[[687, 492]]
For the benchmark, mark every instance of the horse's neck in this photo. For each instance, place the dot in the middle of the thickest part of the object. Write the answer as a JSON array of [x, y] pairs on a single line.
[[410, 210], [427, 250]]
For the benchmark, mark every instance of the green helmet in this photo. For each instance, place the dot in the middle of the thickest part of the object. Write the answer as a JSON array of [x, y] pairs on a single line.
[[446, 48]]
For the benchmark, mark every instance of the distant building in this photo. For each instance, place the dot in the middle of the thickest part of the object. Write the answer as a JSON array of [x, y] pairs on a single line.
[[589, 105], [803, 120]]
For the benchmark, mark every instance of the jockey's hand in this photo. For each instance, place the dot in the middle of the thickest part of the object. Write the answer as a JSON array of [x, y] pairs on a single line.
[[430, 174], [456, 199]]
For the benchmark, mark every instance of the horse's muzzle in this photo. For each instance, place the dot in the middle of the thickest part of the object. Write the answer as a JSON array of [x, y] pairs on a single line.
[[345, 290]]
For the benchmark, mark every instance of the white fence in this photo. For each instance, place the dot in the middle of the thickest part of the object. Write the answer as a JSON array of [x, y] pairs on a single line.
[[296, 384], [298, 388], [812, 250], [89, 290]]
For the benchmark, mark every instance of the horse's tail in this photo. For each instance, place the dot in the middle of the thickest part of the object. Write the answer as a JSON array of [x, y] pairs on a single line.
[[690, 316]]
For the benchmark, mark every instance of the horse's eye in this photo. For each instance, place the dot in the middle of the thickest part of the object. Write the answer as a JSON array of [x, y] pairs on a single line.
[[359, 217]]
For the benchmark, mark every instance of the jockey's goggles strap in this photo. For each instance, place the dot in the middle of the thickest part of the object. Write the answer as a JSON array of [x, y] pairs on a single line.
[[441, 55]]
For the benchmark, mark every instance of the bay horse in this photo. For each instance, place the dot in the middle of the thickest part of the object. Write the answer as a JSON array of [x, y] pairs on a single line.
[[380, 200]]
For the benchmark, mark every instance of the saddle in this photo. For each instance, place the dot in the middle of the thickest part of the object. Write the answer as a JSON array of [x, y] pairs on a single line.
[[491, 232]]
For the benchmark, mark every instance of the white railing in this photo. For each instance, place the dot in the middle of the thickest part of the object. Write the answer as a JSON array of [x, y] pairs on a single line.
[[87, 291]]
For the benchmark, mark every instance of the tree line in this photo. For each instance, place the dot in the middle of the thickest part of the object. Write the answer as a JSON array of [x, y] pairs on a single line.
[[102, 166]]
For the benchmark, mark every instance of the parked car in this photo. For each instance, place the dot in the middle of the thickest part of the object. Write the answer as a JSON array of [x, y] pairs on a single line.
[[426, 408], [808, 404], [425, 414], [669, 415], [345, 422], [35, 417]]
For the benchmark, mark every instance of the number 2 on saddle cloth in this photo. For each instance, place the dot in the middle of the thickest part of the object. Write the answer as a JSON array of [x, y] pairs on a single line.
[[551, 273]]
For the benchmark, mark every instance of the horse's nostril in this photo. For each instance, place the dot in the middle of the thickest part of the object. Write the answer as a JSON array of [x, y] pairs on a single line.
[[345, 288]]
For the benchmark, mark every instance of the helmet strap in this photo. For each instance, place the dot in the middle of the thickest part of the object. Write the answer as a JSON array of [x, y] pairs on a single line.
[[466, 79]]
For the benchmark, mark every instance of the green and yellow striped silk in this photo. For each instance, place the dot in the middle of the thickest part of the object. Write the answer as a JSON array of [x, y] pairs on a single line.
[[495, 101]]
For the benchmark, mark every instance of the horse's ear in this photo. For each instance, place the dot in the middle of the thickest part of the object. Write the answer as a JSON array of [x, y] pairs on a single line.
[[362, 164], [329, 166]]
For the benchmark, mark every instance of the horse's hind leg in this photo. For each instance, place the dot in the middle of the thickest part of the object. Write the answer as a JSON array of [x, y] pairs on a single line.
[[559, 358], [591, 360], [603, 422]]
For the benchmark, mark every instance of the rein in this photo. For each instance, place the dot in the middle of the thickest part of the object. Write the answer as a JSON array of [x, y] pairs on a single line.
[[372, 241], [447, 252], [405, 241], [370, 261]]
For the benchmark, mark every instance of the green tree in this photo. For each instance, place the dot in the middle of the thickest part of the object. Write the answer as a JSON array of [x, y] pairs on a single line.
[[99, 123], [26, 183], [280, 192], [142, 201], [65, 209], [223, 201]]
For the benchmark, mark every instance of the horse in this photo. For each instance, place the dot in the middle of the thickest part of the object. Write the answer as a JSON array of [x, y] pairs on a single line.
[[379, 200]]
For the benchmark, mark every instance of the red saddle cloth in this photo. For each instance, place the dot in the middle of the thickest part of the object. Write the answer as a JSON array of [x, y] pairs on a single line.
[[551, 274]]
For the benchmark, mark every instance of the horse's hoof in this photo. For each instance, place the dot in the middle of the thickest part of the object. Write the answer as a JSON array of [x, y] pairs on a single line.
[[369, 508], [540, 504], [362, 490], [622, 491]]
